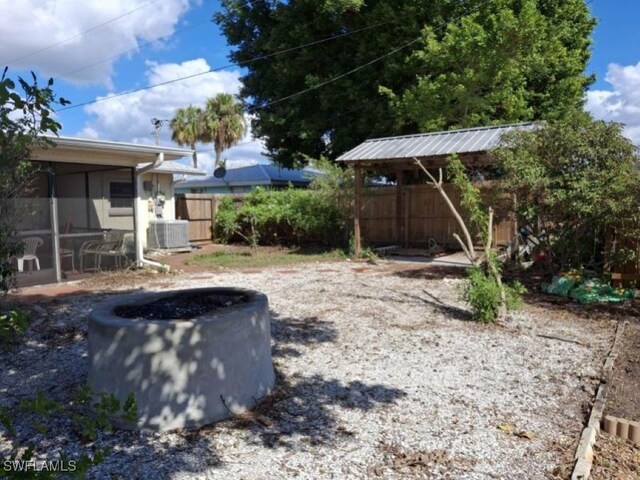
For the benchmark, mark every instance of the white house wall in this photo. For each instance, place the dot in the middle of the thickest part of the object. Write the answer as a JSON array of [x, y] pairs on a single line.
[[149, 207], [72, 204]]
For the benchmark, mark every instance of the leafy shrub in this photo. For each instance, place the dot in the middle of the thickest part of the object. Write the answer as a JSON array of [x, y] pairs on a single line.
[[482, 293], [574, 182], [290, 216], [13, 325], [88, 414]]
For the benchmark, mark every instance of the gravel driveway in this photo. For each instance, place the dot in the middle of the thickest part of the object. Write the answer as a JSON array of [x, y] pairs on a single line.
[[380, 375]]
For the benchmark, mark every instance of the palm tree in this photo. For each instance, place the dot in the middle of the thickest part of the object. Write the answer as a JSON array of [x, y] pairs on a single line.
[[186, 129], [223, 123]]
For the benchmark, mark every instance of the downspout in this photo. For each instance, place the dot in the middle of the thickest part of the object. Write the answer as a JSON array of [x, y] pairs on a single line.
[[140, 260]]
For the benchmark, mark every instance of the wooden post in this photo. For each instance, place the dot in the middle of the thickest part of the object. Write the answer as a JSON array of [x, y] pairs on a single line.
[[215, 204], [357, 206], [407, 216], [399, 206]]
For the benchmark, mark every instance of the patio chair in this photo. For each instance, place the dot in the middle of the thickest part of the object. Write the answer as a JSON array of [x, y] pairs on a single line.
[[31, 245], [92, 248], [112, 245], [117, 249]]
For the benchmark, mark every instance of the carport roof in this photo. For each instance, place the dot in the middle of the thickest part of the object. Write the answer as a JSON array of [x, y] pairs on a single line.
[[133, 152], [436, 144]]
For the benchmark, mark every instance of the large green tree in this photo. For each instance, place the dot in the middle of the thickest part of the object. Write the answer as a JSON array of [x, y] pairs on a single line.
[[508, 60]]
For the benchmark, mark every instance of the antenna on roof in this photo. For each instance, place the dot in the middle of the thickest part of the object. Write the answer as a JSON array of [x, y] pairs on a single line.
[[157, 125]]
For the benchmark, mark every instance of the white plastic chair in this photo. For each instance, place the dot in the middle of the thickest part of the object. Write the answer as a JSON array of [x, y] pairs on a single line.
[[31, 244]]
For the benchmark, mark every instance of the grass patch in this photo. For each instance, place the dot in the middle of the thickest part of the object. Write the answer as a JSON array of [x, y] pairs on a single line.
[[262, 259]]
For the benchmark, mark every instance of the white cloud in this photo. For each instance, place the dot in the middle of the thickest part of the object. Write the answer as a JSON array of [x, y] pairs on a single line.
[[31, 25], [128, 118], [622, 102]]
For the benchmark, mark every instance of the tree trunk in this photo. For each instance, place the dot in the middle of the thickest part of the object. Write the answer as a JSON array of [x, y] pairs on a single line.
[[468, 248], [218, 157], [195, 156]]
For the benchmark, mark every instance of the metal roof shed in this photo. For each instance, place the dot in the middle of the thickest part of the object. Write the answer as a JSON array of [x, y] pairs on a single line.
[[434, 147], [397, 155]]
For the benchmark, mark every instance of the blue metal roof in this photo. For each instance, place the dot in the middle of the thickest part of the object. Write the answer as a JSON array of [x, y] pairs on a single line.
[[254, 175]]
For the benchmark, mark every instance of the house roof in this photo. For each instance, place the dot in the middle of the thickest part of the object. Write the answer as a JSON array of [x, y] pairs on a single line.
[[177, 168], [133, 153], [470, 140], [254, 175]]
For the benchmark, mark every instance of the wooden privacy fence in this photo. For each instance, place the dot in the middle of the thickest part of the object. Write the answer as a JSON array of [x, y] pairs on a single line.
[[627, 274], [200, 210], [414, 214]]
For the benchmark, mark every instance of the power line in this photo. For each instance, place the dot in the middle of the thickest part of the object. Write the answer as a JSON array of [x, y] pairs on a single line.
[[80, 34], [337, 77], [230, 65], [149, 42], [137, 47], [360, 67]]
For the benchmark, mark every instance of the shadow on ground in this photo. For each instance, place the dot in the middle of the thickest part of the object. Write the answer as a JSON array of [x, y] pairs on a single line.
[[428, 272], [301, 407], [52, 359]]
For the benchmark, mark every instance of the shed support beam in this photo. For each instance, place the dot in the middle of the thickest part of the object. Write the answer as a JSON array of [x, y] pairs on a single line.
[[357, 206], [399, 206]]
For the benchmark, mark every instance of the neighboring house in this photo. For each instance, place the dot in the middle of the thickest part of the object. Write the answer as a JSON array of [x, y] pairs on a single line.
[[92, 200], [244, 179], [412, 213]]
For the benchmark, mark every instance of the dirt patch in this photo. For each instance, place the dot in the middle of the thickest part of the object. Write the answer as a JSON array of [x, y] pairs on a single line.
[[418, 463], [615, 458], [624, 393], [361, 269], [429, 272], [181, 306]]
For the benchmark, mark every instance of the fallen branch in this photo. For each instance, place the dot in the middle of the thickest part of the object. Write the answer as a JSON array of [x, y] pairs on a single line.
[[560, 339]]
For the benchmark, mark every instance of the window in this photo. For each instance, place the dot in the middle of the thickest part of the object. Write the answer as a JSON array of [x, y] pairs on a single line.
[[121, 198]]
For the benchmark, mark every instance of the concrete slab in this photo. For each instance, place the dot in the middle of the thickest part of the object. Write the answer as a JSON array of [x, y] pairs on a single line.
[[457, 259]]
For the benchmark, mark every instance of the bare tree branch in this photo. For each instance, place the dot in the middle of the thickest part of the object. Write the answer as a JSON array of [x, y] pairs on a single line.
[[468, 249]]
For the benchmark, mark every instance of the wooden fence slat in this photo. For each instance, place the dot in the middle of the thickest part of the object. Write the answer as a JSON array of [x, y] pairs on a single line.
[[200, 210], [426, 215]]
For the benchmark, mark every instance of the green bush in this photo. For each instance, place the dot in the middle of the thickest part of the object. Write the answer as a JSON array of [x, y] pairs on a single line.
[[482, 293], [291, 216], [13, 325]]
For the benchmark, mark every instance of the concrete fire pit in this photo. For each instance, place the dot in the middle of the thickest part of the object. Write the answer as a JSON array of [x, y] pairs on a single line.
[[190, 357]]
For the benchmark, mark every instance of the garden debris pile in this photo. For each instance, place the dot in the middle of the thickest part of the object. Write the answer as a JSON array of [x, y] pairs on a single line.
[[575, 286]]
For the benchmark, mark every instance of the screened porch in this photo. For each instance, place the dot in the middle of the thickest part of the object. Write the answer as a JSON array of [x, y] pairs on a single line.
[[75, 219]]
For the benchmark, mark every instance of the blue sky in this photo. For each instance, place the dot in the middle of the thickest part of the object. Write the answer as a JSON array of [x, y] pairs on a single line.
[[168, 39]]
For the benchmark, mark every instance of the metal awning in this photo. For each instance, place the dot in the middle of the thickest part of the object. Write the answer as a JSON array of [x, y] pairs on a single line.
[[436, 144]]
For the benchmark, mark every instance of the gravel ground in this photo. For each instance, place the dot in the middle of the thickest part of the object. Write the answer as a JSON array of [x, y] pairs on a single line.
[[380, 375]]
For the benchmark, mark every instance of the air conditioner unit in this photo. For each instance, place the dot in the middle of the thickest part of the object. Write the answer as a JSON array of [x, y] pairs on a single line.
[[168, 233]]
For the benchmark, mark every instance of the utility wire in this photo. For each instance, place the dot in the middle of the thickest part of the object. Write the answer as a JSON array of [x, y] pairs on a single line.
[[360, 67], [137, 47], [337, 77], [239, 64], [149, 42], [80, 34], [302, 92]]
